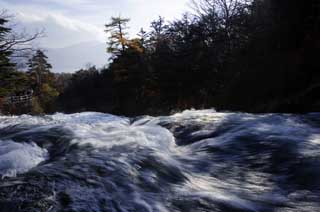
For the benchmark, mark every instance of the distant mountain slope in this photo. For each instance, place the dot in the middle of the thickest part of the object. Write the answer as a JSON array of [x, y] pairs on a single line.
[[72, 58]]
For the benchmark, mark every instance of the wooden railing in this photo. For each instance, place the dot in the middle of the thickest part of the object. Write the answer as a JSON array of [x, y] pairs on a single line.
[[16, 104], [18, 99]]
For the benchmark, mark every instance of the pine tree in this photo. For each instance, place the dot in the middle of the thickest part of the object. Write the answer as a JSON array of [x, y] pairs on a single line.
[[158, 33], [118, 36], [143, 37], [5, 52], [39, 68], [43, 82], [10, 80]]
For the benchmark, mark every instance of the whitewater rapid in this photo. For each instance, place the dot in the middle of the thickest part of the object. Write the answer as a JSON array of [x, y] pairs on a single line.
[[196, 160]]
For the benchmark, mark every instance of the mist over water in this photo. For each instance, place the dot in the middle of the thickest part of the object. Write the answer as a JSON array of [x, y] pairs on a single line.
[[190, 161]]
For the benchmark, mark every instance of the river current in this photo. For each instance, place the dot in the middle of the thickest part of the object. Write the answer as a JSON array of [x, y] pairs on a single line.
[[196, 160]]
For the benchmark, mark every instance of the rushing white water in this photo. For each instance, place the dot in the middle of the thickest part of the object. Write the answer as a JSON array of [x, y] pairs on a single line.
[[18, 158], [190, 161]]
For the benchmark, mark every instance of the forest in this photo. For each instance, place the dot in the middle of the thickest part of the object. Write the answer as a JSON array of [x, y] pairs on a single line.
[[254, 56]]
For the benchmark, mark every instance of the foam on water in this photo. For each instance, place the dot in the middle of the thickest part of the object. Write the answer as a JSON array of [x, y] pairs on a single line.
[[17, 158], [190, 161]]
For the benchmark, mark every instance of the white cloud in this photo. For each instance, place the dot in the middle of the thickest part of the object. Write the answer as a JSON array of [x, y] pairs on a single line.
[[59, 18], [27, 18], [87, 17], [60, 30]]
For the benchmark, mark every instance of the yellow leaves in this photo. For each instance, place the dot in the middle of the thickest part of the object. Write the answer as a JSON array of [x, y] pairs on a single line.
[[123, 41], [47, 90], [135, 44]]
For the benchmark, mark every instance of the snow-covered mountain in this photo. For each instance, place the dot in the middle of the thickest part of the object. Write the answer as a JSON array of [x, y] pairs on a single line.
[[72, 58]]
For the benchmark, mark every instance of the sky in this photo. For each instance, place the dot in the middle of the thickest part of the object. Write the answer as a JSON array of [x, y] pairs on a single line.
[[69, 22]]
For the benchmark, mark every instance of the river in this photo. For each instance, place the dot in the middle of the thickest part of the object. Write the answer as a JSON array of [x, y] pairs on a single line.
[[196, 160]]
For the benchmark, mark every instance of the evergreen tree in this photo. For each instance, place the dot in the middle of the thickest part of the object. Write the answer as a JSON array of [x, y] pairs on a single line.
[[11, 81], [5, 50], [39, 69], [158, 35], [143, 38], [43, 82], [117, 41]]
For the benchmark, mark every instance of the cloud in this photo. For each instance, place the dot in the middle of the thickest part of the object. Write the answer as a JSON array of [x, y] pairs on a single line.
[[69, 22], [28, 18], [61, 30]]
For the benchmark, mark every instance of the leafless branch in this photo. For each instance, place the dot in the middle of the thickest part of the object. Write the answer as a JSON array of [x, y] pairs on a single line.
[[18, 42]]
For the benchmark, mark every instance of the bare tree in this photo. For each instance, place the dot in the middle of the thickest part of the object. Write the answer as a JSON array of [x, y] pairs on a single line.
[[229, 14], [19, 44]]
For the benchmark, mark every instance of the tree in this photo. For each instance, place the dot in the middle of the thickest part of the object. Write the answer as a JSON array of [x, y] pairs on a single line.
[[5, 52], [13, 81], [87, 89], [117, 41], [143, 37], [229, 18], [158, 33], [12, 44], [43, 81], [39, 68]]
